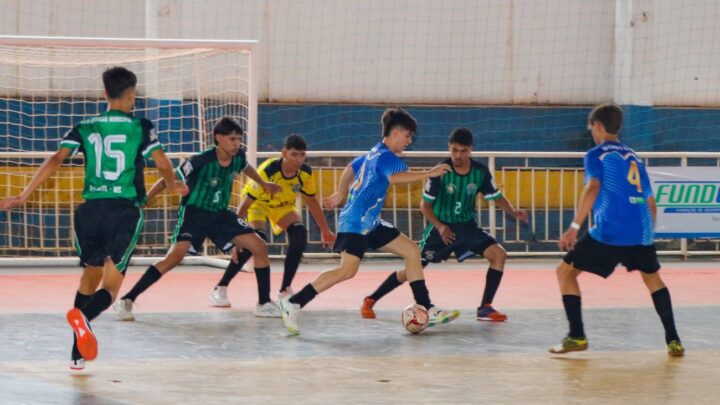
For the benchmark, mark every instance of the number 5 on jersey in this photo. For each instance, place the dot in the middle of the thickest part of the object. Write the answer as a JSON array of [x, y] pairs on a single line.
[[104, 147]]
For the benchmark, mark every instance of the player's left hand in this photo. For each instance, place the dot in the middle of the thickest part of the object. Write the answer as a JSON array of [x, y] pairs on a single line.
[[333, 201], [567, 241], [12, 202], [520, 215], [327, 238], [271, 188]]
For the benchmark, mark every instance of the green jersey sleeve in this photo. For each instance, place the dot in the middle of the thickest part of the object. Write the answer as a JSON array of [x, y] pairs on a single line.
[[432, 187], [72, 140], [488, 188], [150, 141]]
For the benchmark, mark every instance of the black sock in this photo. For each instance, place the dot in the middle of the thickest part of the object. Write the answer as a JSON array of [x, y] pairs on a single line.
[[304, 296], [151, 276], [573, 311], [390, 283], [80, 301], [98, 302], [421, 293], [233, 268], [663, 307], [492, 282], [297, 240], [262, 274]]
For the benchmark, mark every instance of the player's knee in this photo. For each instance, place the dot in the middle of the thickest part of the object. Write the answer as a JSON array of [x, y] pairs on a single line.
[[564, 271], [347, 273], [411, 253], [497, 256], [259, 249], [653, 281], [297, 237]]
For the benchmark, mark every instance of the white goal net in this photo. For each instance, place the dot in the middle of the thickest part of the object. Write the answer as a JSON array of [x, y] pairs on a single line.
[[47, 85]]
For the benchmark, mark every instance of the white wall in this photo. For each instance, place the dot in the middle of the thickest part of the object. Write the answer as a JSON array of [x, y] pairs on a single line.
[[661, 52]]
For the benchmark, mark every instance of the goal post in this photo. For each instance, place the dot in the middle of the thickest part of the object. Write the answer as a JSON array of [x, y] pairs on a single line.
[[49, 84]]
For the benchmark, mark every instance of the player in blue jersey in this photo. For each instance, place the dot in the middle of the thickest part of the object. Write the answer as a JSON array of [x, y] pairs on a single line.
[[365, 182], [618, 191]]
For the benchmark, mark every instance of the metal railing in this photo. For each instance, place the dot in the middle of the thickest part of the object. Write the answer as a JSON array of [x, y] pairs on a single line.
[[545, 184]]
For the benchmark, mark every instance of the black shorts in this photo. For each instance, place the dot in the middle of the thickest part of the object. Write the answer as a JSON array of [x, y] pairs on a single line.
[[357, 244], [195, 225], [599, 258], [469, 241], [107, 228]]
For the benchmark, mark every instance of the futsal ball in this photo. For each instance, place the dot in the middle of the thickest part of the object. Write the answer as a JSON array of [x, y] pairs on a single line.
[[415, 318]]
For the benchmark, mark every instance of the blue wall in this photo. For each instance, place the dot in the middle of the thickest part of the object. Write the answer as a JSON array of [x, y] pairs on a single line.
[[38, 126]]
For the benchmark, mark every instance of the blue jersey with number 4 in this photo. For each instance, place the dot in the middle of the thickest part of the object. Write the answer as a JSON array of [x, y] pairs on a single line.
[[361, 213], [621, 215]]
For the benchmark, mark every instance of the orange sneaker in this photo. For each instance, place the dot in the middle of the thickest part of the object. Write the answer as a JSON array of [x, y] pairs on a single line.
[[367, 308], [488, 313], [86, 341]]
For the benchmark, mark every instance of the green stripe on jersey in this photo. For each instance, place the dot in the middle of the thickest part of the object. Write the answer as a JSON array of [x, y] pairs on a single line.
[[456, 199]]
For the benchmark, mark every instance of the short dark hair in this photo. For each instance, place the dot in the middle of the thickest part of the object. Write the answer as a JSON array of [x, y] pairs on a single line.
[[295, 141], [227, 126], [118, 79], [397, 117], [610, 115], [461, 136]]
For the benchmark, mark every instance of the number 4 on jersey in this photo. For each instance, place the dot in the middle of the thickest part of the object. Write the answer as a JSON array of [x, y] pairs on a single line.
[[633, 176]]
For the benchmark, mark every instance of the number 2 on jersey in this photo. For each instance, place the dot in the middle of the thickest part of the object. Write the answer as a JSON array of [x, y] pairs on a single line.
[[633, 176]]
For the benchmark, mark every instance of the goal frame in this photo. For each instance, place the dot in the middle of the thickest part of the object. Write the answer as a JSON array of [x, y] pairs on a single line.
[[248, 46]]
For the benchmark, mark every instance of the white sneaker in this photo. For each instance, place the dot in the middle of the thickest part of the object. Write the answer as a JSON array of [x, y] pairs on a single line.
[[218, 297], [439, 316], [77, 365], [288, 292], [290, 314], [123, 309], [267, 310]]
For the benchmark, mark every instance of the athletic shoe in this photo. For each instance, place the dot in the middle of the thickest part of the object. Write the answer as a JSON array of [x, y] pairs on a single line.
[[290, 314], [675, 349], [570, 344], [367, 308], [287, 292], [123, 309], [267, 310], [86, 341], [218, 297], [77, 365], [439, 316], [488, 313]]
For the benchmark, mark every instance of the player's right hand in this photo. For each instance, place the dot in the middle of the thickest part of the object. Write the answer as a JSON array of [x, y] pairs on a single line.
[[333, 201], [446, 234], [12, 202], [439, 170], [179, 188], [567, 241]]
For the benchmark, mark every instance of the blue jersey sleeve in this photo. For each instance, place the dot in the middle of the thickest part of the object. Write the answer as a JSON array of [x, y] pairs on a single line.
[[390, 164], [593, 166]]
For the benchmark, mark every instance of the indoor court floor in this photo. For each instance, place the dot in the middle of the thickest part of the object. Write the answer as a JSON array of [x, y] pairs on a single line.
[[180, 350]]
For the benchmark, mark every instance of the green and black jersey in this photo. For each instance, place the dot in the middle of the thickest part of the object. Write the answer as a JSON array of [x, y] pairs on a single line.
[[453, 196], [115, 145], [210, 184]]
